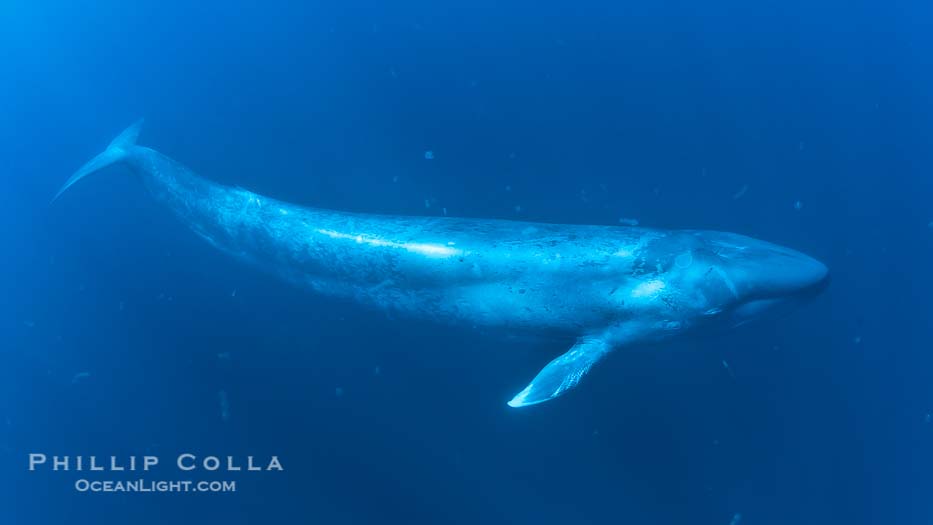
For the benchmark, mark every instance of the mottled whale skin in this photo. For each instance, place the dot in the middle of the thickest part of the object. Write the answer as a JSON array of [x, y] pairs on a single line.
[[605, 287]]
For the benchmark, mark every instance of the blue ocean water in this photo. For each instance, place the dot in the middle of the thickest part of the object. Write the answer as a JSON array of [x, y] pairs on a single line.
[[804, 124]]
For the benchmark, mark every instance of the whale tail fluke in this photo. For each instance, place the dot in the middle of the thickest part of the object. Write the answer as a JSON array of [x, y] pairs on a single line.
[[116, 151]]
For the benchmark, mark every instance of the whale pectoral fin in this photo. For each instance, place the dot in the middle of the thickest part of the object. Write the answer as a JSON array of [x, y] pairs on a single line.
[[563, 373]]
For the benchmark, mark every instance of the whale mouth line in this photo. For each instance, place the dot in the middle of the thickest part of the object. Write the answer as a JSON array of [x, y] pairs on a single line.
[[804, 292], [818, 287]]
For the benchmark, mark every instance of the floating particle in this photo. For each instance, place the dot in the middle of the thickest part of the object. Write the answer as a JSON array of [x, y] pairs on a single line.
[[518, 209], [428, 155], [738, 194], [122, 306], [338, 392], [736, 519], [930, 225], [927, 418], [395, 178], [800, 145], [233, 293], [628, 222], [445, 211], [798, 205], [224, 401], [728, 369], [508, 188], [223, 356], [80, 376], [377, 371], [393, 72], [512, 156], [29, 324], [857, 339], [427, 203], [702, 172]]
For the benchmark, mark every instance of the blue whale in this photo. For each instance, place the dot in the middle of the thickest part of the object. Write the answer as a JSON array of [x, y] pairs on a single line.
[[601, 287]]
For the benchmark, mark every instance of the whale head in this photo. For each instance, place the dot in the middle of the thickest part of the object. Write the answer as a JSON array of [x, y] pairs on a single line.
[[742, 279]]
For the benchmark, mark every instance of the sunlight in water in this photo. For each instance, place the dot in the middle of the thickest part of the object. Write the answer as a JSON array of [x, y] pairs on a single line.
[[427, 249], [648, 288]]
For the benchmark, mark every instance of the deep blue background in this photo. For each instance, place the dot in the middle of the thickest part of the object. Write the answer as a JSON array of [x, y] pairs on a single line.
[[579, 112]]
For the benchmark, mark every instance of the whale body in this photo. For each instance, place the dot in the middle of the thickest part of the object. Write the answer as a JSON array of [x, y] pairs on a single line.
[[601, 287]]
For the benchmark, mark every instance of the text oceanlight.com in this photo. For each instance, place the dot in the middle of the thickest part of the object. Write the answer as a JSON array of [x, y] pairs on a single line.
[[141, 485]]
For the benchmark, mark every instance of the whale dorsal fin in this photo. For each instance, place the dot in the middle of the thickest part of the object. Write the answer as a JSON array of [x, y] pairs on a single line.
[[563, 373]]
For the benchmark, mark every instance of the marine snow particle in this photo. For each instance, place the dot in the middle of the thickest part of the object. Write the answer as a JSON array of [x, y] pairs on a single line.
[[338, 392], [224, 401], [428, 155], [798, 205], [738, 195]]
